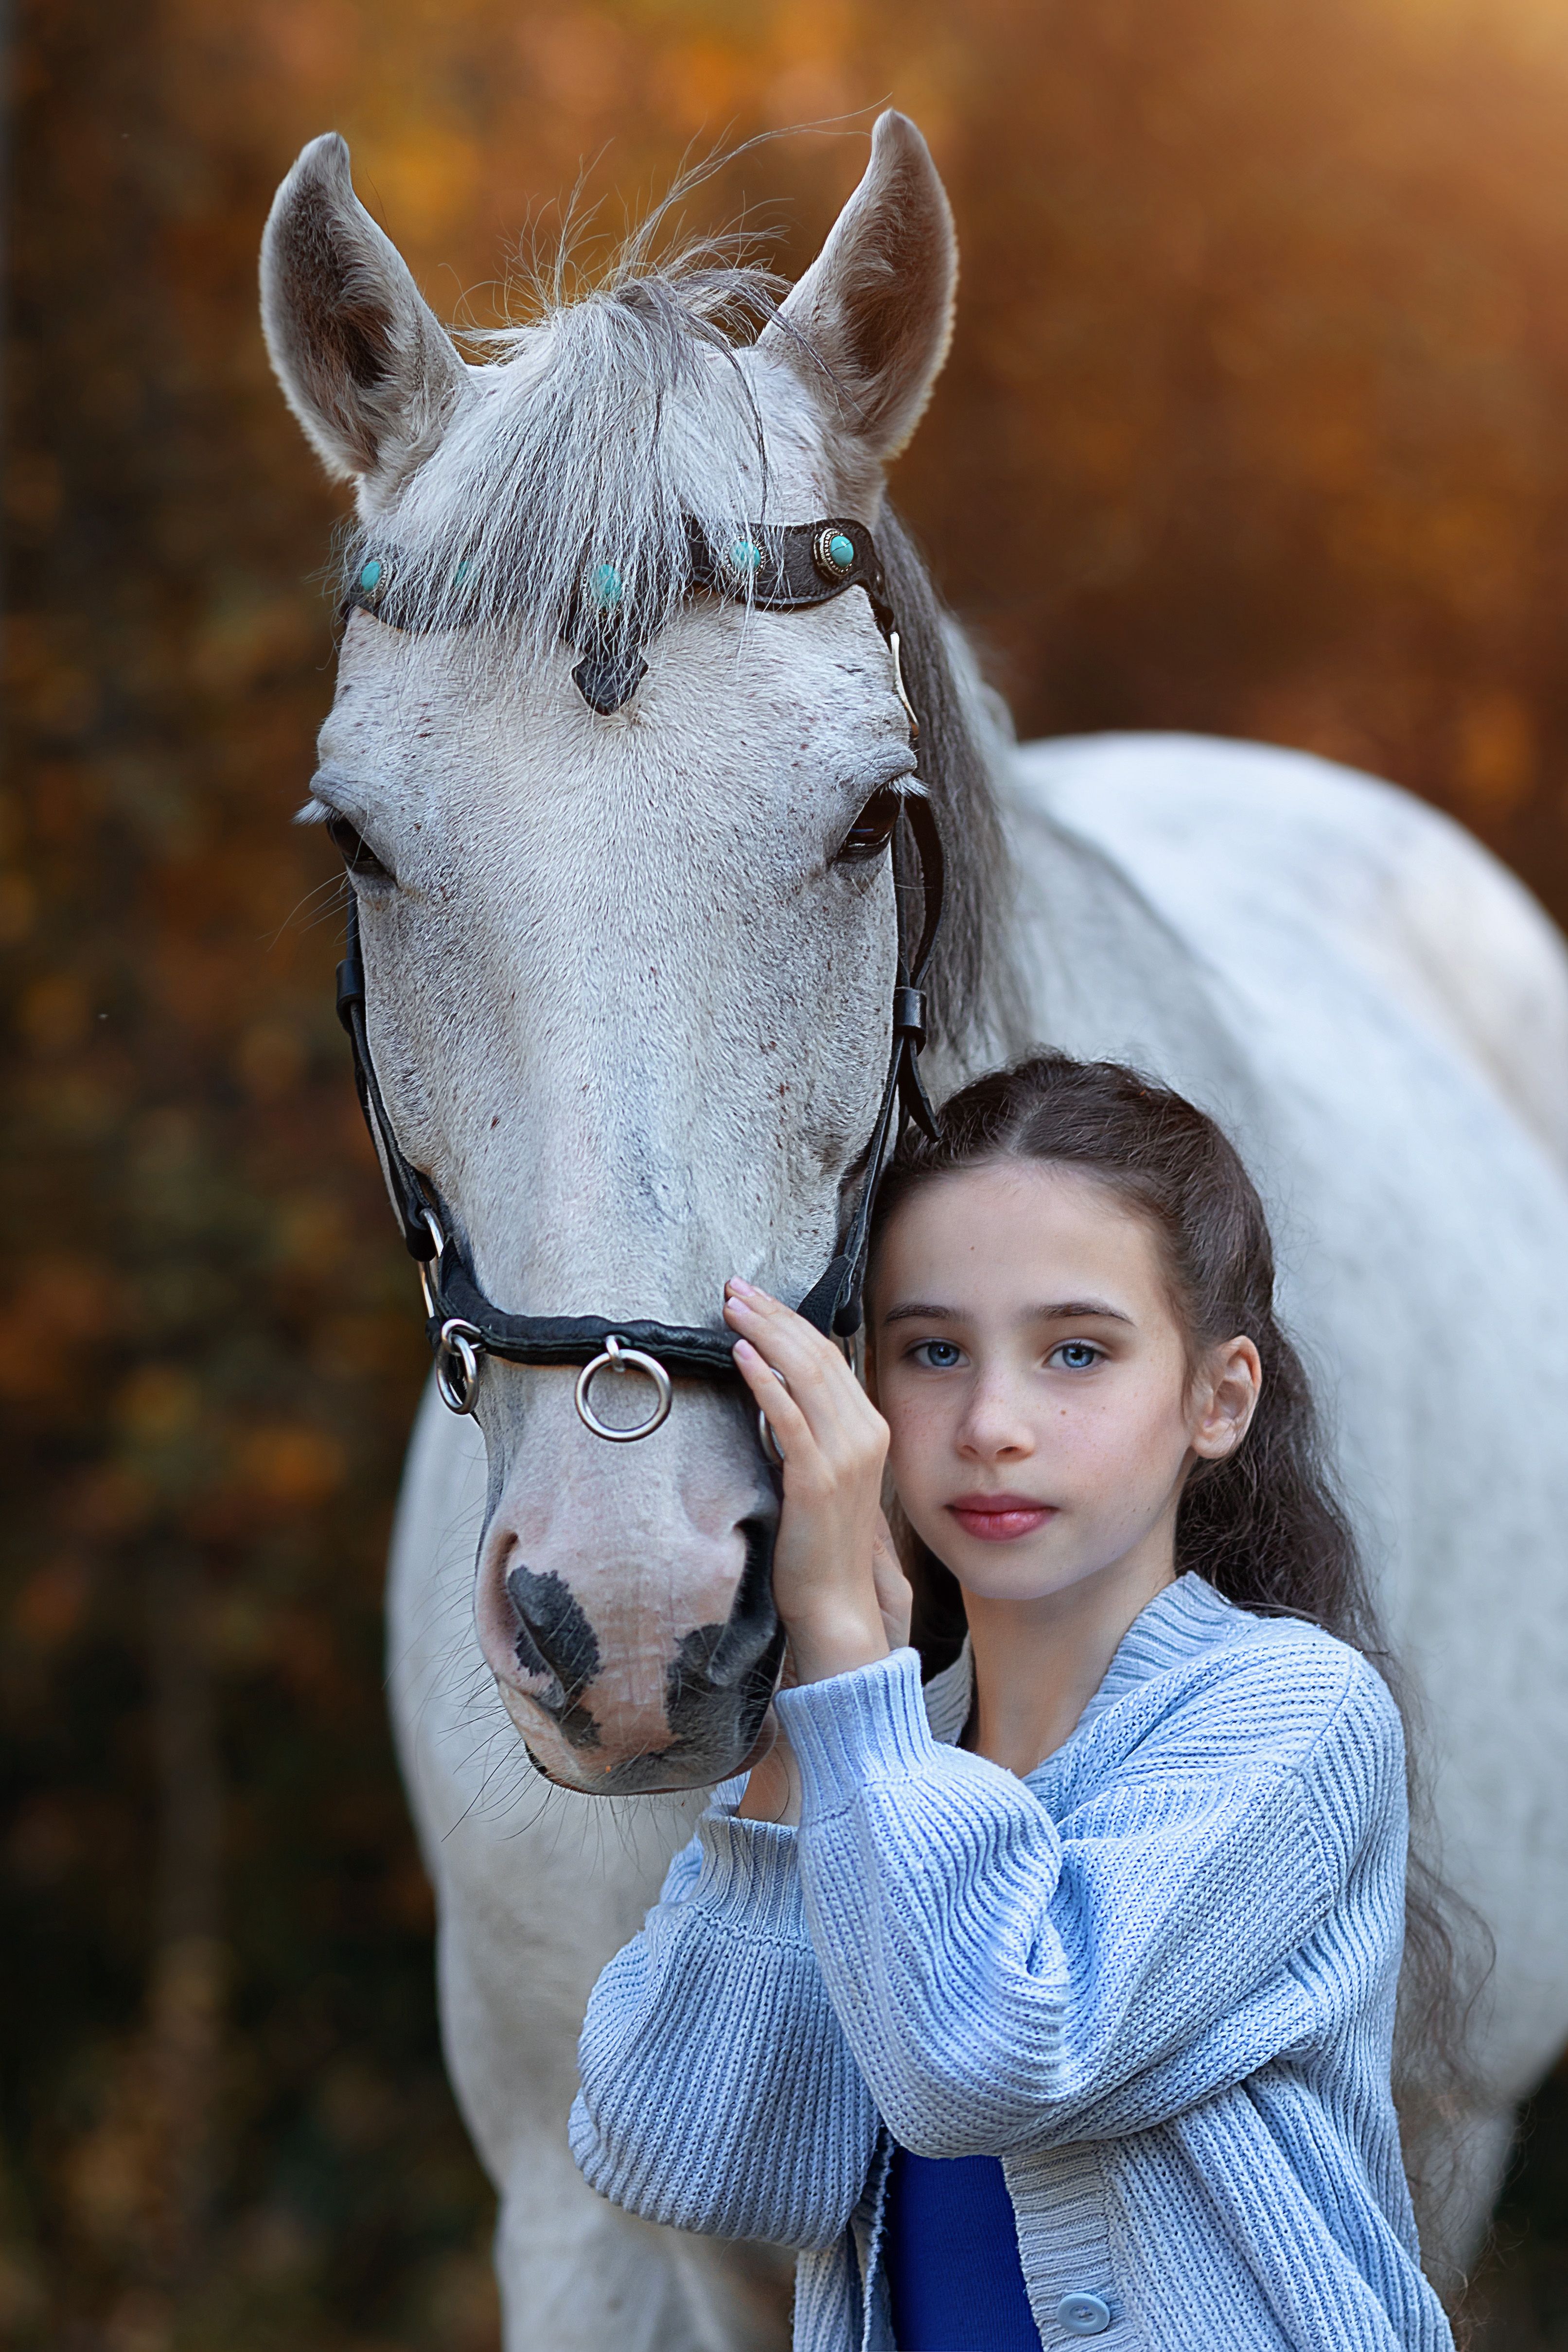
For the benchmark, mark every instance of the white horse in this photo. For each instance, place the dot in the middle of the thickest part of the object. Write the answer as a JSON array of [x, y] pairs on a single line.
[[627, 1003]]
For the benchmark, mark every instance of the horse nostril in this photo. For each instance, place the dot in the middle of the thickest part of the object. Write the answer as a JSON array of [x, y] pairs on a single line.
[[553, 1636], [721, 1678]]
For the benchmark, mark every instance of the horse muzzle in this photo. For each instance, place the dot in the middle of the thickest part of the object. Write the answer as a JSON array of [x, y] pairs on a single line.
[[612, 1696]]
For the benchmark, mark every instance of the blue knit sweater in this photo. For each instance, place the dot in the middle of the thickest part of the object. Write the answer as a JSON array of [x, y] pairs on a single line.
[[1156, 1979]]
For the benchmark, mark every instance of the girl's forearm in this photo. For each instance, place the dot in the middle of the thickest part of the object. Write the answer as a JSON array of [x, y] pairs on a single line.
[[718, 2094]]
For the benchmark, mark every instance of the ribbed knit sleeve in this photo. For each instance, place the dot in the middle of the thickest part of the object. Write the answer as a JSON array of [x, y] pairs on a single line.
[[1004, 1982], [718, 2091]]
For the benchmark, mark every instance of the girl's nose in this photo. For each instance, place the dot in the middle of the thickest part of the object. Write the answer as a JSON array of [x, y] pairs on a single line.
[[996, 1427]]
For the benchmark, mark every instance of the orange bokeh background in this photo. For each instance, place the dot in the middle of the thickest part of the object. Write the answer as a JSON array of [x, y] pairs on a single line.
[[1256, 422]]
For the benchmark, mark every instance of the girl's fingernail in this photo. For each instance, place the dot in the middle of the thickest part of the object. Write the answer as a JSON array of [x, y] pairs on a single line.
[[744, 1289], [744, 1348]]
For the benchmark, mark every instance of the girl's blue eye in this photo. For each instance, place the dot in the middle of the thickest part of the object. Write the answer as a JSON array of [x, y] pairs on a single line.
[[1076, 1355], [938, 1355]]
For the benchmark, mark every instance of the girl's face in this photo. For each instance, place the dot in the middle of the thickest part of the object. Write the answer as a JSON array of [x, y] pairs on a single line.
[[1032, 1377]]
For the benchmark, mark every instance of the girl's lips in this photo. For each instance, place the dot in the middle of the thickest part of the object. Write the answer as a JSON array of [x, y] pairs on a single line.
[[998, 1519]]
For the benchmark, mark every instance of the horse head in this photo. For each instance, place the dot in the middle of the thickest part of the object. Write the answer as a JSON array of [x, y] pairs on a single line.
[[618, 846]]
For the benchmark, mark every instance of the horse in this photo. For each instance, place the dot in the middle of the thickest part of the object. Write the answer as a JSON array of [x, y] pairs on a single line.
[[628, 829]]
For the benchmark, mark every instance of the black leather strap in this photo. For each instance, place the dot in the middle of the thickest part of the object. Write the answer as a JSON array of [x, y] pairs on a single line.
[[407, 1189], [571, 1338], [835, 1302], [791, 567]]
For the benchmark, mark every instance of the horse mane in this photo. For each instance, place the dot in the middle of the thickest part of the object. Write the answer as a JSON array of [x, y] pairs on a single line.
[[599, 426]]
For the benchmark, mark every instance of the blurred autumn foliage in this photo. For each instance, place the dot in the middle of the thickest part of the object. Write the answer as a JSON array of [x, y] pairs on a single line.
[[1256, 422]]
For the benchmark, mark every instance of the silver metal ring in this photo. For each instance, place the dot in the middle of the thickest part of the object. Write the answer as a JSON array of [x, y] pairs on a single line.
[[457, 1339], [618, 1358]]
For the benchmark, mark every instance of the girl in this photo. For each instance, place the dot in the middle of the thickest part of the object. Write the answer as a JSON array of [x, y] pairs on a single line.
[[1056, 2001]]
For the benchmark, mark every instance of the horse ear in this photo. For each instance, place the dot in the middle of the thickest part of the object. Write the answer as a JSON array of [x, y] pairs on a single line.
[[875, 306], [363, 363]]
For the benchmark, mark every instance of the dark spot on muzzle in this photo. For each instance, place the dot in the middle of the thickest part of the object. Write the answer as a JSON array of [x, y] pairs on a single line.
[[555, 1639]]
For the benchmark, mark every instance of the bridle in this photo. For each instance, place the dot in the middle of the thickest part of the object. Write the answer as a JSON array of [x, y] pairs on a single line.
[[784, 570]]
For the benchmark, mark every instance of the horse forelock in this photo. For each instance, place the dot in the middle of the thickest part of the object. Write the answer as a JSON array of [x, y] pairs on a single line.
[[586, 437]]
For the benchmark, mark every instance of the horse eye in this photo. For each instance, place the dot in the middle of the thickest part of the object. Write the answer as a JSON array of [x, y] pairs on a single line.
[[871, 831], [357, 852]]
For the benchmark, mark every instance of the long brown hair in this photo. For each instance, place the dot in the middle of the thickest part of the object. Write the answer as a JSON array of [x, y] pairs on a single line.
[[1265, 1525]]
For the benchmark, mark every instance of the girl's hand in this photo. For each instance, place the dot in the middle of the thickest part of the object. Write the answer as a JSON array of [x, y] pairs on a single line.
[[826, 1585]]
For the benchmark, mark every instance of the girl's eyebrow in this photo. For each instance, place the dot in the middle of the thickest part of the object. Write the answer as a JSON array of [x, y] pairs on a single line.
[[1065, 1310]]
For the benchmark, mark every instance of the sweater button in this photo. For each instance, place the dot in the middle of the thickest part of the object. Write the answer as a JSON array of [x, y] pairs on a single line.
[[1084, 2315]]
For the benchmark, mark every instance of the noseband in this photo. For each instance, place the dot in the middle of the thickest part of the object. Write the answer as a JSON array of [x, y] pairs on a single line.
[[778, 570]]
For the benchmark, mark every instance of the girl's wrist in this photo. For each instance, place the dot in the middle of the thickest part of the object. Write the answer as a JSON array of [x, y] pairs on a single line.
[[773, 1788], [836, 1641]]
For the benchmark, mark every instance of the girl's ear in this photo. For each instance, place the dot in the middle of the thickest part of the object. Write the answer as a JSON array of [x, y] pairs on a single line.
[[866, 328], [1226, 1397], [363, 363]]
